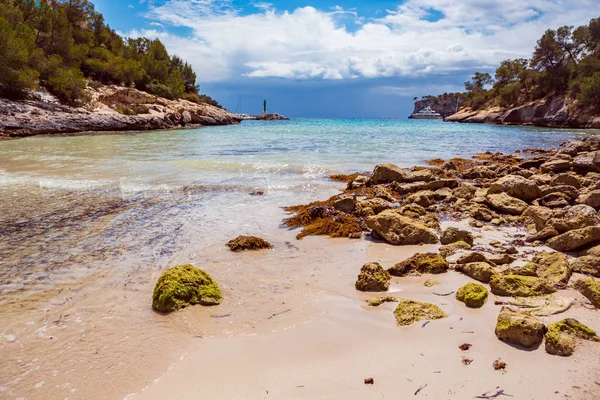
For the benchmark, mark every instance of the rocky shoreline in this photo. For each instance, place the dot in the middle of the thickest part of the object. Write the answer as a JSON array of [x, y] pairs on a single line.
[[112, 108], [547, 203], [552, 111]]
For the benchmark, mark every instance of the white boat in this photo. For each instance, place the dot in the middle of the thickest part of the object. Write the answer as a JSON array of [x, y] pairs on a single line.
[[426, 113]]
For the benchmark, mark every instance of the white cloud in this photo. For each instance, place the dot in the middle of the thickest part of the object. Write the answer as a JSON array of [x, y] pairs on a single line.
[[307, 43]]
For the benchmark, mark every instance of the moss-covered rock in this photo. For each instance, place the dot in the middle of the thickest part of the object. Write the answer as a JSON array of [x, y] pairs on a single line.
[[453, 235], [590, 289], [373, 278], [561, 336], [248, 243], [184, 285], [519, 328], [553, 267], [480, 271], [410, 311], [472, 294], [451, 249], [520, 286], [427, 263], [376, 302]]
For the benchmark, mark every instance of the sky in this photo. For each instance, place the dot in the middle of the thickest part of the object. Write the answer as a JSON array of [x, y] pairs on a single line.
[[350, 59]]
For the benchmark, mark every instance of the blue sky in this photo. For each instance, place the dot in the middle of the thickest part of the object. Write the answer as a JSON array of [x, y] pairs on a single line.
[[356, 58]]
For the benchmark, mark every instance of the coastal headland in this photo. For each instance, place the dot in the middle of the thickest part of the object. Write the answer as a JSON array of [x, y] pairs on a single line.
[[110, 108]]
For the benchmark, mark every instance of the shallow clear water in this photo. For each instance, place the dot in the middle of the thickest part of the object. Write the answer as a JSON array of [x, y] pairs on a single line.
[[87, 223]]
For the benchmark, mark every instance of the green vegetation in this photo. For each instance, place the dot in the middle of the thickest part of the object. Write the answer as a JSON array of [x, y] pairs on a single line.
[[565, 62], [60, 44]]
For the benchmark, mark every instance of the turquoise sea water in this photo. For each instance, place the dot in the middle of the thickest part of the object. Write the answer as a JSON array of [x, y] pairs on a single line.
[[65, 199], [254, 154]]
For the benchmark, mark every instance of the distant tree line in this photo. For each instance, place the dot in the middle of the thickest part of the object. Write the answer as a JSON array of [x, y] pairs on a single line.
[[566, 61], [63, 44]]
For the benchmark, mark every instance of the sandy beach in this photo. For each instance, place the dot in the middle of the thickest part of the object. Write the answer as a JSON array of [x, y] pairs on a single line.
[[329, 356]]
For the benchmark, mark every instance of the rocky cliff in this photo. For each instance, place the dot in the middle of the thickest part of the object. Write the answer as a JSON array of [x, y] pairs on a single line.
[[112, 108], [552, 111]]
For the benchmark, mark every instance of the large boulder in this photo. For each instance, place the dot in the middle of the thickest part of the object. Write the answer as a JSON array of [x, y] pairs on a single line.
[[424, 198], [589, 161], [556, 165], [516, 186], [591, 199], [400, 230], [506, 203], [588, 265], [520, 286], [540, 215], [373, 278], [519, 328], [472, 294], [453, 235], [573, 217], [387, 173], [575, 239], [480, 271], [427, 263], [566, 179], [590, 289], [184, 285], [553, 268], [562, 336], [410, 311], [478, 172]]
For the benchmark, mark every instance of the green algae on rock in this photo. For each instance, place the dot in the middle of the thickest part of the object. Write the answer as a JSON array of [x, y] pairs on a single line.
[[472, 294], [561, 336], [248, 243], [182, 286], [590, 289], [519, 328], [376, 302], [520, 286], [427, 263], [373, 278], [410, 311], [553, 267]]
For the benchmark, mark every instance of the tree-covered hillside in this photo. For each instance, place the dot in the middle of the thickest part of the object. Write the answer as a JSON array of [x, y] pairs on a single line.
[[63, 44], [565, 62]]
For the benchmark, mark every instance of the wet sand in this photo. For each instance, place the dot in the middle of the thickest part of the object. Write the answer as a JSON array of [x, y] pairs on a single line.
[[330, 356]]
